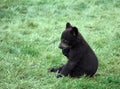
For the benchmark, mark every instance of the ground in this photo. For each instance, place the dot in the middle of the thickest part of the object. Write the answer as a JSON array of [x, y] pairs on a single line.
[[30, 32]]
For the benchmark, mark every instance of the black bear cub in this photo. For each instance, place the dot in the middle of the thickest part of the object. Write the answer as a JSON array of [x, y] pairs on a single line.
[[81, 58]]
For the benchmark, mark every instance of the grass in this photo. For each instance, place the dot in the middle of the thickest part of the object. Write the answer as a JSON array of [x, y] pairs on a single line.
[[30, 32]]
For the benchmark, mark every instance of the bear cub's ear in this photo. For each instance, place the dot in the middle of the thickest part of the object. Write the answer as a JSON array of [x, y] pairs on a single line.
[[74, 31], [68, 25]]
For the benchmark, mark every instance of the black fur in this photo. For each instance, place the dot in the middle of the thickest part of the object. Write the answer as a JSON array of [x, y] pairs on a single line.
[[81, 58]]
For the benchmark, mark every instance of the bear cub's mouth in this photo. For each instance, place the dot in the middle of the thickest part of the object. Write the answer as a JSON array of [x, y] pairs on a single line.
[[64, 44]]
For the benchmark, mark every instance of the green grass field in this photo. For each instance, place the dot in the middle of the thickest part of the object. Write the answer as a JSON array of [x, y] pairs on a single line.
[[30, 32]]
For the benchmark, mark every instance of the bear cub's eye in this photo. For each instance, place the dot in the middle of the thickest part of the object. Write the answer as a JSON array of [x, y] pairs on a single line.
[[64, 41]]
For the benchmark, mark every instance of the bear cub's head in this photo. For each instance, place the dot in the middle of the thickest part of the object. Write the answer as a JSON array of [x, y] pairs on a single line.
[[69, 37]]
